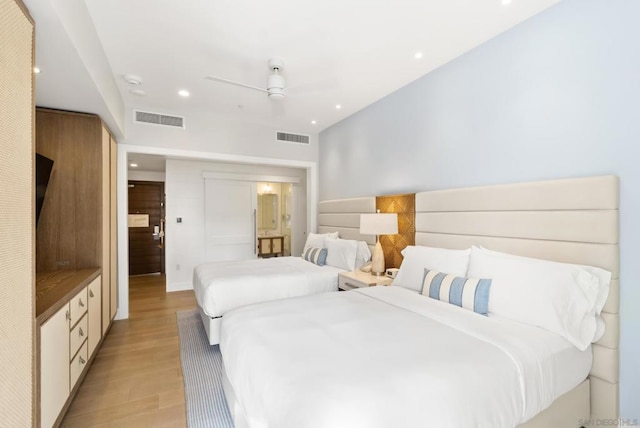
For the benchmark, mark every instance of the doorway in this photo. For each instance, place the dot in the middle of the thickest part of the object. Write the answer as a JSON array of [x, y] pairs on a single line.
[[146, 227]]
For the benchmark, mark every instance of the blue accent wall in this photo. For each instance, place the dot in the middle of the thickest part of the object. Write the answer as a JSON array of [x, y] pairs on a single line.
[[556, 96]]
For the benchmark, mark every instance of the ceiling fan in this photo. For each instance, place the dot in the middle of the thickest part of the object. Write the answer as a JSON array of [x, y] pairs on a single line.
[[275, 82]]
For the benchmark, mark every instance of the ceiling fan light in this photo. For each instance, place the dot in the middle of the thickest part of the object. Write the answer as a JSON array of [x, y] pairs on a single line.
[[275, 81], [275, 86], [276, 94]]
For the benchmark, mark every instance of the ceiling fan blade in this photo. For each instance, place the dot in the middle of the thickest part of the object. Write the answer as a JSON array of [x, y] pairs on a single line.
[[242, 85]]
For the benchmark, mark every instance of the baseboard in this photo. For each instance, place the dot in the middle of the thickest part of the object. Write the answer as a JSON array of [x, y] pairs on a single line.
[[179, 286]]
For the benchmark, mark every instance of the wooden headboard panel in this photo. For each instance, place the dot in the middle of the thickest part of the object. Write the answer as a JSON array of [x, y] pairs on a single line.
[[392, 245], [570, 220]]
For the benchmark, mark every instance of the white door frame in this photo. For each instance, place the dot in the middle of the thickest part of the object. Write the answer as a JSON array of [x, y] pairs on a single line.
[[122, 190]]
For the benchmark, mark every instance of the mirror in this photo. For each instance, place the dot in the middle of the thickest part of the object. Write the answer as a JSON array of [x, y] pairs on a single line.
[[268, 211]]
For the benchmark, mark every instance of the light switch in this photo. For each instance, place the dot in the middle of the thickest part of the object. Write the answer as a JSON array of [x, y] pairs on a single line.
[[179, 220]]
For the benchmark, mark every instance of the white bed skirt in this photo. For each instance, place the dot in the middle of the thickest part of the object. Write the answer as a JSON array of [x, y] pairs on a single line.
[[211, 326]]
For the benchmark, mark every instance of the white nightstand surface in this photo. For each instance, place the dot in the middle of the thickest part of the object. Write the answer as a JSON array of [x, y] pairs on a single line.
[[357, 279]]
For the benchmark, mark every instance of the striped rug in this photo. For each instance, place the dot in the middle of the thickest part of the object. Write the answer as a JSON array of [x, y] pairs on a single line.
[[202, 371]]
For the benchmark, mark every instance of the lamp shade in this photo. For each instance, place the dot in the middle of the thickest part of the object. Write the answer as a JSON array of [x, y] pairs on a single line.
[[379, 224]]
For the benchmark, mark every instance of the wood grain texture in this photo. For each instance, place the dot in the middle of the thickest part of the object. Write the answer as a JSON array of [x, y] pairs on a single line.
[[145, 254], [392, 245], [136, 377], [113, 154], [105, 223], [69, 234], [54, 289]]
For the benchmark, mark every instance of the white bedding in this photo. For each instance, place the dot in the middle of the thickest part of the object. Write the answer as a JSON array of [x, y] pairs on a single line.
[[387, 356], [222, 286]]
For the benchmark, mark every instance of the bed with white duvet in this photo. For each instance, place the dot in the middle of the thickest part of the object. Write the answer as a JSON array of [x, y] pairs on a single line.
[[389, 356], [222, 286], [225, 285]]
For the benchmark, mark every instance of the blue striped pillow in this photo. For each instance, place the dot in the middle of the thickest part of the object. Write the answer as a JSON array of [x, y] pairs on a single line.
[[315, 255], [468, 293]]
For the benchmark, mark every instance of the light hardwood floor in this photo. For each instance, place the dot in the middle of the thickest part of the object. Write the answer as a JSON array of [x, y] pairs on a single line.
[[136, 378]]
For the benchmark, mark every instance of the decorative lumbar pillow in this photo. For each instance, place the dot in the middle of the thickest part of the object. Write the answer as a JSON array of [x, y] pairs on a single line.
[[418, 258], [315, 255], [468, 293]]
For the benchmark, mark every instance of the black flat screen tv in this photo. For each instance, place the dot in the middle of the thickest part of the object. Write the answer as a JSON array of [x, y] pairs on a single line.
[[44, 166]]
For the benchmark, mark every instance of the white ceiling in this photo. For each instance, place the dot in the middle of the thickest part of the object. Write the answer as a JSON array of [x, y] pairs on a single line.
[[335, 51]]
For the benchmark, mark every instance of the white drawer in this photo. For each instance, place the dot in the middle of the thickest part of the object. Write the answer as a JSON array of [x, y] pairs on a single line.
[[78, 306], [77, 365], [348, 283], [78, 335]]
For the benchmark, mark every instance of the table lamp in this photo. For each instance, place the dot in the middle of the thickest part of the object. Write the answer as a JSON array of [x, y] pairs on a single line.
[[378, 224]]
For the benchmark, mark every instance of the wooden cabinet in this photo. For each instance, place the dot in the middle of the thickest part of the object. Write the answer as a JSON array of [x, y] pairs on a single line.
[[68, 323], [54, 366], [95, 315], [77, 225], [269, 246]]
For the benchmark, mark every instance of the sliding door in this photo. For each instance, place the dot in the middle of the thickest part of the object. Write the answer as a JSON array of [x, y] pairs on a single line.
[[230, 220]]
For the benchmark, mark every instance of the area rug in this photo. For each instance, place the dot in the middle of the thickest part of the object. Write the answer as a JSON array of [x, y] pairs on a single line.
[[202, 371]]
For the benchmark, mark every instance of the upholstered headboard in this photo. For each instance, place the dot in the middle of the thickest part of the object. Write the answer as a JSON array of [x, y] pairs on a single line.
[[570, 220], [343, 215]]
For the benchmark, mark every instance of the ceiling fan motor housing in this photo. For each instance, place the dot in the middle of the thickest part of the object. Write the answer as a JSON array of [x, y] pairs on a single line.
[[275, 86]]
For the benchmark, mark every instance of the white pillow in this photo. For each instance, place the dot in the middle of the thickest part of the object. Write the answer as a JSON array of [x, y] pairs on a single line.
[[558, 297], [416, 259], [341, 253], [316, 240]]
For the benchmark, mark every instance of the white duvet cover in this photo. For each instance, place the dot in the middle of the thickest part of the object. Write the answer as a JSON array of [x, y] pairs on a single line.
[[222, 286], [389, 357]]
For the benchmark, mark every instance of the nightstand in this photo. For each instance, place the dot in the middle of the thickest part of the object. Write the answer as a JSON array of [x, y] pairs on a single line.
[[357, 279]]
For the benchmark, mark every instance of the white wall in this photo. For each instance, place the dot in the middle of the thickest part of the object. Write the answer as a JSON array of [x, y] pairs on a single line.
[[207, 133], [184, 187], [556, 96], [146, 175]]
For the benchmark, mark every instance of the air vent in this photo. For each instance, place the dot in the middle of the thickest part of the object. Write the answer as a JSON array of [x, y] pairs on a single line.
[[158, 119], [292, 138]]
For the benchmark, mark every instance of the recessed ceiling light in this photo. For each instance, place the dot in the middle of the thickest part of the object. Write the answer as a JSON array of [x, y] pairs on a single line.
[[313, 122], [138, 92], [183, 93], [133, 165], [36, 70], [506, 2], [338, 106], [417, 55]]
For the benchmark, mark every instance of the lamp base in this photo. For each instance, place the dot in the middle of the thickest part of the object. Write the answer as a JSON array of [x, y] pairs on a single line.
[[377, 260]]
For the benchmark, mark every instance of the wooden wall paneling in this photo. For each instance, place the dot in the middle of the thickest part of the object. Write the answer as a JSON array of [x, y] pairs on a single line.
[[105, 217], [114, 227], [69, 234], [47, 232], [83, 132], [405, 207]]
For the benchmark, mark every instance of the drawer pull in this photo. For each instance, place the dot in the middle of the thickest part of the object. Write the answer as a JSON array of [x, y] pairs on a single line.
[[82, 361], [81, 332], [91, 293], [68, 316], [81, 304]]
